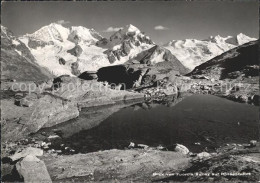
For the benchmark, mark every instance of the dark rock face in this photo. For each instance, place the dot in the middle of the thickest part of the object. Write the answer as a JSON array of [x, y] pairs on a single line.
[[126, 47], [62, 61], [88, 75], [33, 43], [75, 72], [74, 68], [17, 62], [111, 57], [119, 74], [74, 38], [117, 54], [102, 42], [127, 42], [144, 40], [232, 64], [76, 51], [95, 34]]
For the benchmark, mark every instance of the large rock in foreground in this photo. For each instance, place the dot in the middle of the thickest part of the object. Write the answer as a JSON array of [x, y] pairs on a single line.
[[46, 111], [121, 165], [33, 170], [28, 151]]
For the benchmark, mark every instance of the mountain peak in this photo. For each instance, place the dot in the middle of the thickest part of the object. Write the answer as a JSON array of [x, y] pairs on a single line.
[[51, 32], [241, 34], [132, 28], [129, 28], [3, 29], [242, 38]]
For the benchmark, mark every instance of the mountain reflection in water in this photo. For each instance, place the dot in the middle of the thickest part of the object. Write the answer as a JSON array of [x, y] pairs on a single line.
[[197, 121]]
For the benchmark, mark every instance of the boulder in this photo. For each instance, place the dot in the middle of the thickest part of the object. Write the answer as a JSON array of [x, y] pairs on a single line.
[[33, 170], [182, 149], [28, 151], [200, 77], [53, 138], [253, 143], [47, 111], [142, 146], [131, 145], [203, 155]]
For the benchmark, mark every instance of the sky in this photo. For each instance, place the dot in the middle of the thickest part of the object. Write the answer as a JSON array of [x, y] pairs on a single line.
[[161, 20]]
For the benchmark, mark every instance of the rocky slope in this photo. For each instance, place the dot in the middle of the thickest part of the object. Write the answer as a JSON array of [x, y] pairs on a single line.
[[242, 60], [158, 56], [192, 52], [148, 66], [233, 75], [17, 62]]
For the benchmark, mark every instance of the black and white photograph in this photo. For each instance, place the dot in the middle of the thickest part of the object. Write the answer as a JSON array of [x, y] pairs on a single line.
[[130, 91]]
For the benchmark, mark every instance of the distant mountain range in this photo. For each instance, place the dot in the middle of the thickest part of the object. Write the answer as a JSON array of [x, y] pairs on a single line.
[[192, 52], [58, 50]]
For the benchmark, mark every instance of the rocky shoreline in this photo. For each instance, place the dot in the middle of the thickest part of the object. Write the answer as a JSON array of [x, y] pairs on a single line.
[[136, 163]]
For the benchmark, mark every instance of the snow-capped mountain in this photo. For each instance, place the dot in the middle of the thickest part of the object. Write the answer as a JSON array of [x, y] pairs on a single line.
[[66, 50], [77, 49], [125, 44], [192, 52], [17, 62], [160, 57]]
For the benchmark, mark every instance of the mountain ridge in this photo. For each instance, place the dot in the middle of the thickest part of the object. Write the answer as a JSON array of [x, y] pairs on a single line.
[[241, 60], [193, 52], [17, 62], [82, 49], [76, 49]]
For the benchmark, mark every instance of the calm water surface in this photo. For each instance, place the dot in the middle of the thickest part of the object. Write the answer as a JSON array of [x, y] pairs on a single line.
[[199, 119]]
